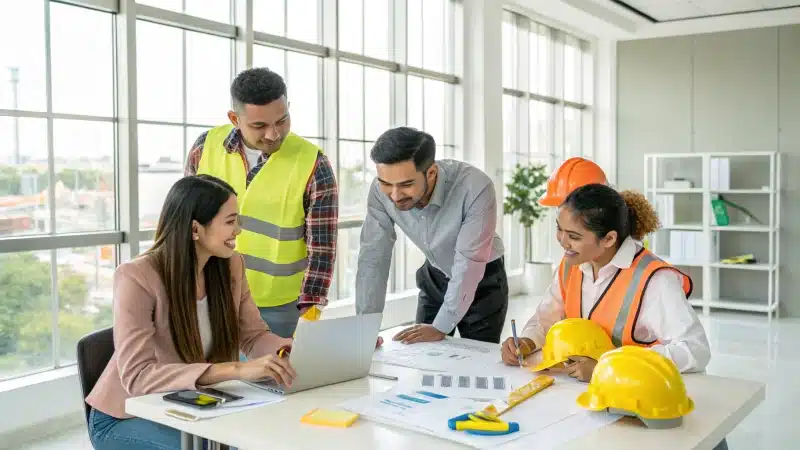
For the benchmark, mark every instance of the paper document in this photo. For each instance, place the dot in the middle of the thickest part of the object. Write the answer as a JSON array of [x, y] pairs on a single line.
[[427, 411], [252, 397], [439, 356], [486, 387]]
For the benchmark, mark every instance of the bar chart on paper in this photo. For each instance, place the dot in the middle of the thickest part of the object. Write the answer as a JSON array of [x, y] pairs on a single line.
[[432, 356], [483, 387]]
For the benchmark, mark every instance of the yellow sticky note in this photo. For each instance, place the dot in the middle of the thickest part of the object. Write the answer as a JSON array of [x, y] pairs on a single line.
[[329, 417]]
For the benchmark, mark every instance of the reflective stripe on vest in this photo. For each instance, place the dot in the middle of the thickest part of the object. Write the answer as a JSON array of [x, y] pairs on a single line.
[[617, 310], [271, 213]]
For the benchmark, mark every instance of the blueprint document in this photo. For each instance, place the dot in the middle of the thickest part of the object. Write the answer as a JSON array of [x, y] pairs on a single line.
[[484, 386], [439, 356]]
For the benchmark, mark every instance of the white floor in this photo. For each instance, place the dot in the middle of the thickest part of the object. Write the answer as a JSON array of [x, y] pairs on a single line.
[[744, 346]]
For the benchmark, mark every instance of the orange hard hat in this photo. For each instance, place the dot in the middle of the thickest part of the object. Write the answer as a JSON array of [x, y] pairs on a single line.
[[572, 174]]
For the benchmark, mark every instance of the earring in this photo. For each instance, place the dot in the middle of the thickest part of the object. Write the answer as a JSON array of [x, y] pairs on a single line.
[[195, 237]]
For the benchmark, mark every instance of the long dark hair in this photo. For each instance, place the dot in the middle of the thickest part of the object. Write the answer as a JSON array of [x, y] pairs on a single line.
[[175, 258], [603, 209]]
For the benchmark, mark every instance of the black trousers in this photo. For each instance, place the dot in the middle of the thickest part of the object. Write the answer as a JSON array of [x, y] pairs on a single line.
[[486, 316]]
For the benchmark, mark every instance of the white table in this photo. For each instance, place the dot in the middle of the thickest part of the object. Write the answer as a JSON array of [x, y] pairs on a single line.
[[720, 405]]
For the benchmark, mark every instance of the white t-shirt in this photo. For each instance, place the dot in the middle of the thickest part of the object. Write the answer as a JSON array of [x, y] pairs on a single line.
[[204, 322], [252, 157]]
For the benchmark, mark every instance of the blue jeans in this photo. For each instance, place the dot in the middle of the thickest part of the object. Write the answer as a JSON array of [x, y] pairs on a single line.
[[282, 320], [109, 433]]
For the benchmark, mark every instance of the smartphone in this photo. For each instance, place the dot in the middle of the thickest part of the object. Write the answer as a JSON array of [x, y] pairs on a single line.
[[201, 398]]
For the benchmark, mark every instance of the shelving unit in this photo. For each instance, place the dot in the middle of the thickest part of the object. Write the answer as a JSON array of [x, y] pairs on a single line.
[[693, 180]]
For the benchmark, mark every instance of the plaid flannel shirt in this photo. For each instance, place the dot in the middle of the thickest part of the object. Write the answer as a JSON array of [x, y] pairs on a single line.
[[321, 204]]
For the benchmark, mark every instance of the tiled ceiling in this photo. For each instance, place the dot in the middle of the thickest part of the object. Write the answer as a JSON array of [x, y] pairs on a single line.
[[671, 10]]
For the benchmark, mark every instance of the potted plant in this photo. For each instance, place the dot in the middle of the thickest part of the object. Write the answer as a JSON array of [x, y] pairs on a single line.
[[528, 183]]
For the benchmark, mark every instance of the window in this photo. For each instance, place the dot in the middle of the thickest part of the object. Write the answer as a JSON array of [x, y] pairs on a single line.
[[216, 10], [68, 186], [58, 154], [295, 19], [545, 106], [180, 96]]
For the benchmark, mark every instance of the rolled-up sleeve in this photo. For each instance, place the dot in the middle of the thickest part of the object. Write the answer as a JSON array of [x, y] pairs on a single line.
[[472, 253], [374, 255], [548, 312]]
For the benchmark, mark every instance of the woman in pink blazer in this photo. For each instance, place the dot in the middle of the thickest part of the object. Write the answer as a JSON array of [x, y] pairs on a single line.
[[182, 314]]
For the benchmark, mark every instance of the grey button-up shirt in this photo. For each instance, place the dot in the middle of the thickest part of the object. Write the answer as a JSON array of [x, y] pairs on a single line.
[[455, 231]]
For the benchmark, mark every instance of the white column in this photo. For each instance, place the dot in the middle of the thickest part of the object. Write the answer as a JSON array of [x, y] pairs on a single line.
[[483, 91], [605, 107]]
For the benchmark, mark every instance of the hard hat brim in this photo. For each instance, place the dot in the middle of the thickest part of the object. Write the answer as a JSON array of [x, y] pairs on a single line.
[[544, 365], [550, 200], [587, 401]]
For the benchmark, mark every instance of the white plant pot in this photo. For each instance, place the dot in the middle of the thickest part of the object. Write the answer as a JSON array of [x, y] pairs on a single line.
[[538, 275]]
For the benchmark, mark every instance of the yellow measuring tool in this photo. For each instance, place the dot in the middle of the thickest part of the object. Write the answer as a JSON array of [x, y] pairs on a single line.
[[518, 396]]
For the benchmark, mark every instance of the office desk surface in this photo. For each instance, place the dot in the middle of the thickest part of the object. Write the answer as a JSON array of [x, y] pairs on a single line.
[[720, 405]]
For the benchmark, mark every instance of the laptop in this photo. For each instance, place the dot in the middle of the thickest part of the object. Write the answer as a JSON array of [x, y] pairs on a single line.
[[329, 351]]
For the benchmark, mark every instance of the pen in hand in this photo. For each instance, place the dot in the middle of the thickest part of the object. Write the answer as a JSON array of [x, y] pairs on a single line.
[[516, 341]]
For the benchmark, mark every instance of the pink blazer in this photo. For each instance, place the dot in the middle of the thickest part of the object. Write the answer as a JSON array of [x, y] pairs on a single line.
[[145, 359]]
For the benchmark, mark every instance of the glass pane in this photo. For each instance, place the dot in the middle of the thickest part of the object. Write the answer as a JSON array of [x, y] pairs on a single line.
[[545, 61], [160, 166], [351, 101], [73, 91], [305, 93], [26, 313], [414, 33], [303, 20], [572, 132], [377, 42], [509, 50], [145, 245], [22, 65], [271, 58], [347, 245], [353, 187], [433, 32], [542, 118], [85, 284], [84, 164], [24, 201], [435, 107], [414, 260], [216, 10], [172, 5], [378, 110], [533, 58], [269, 16], [587, 74], [207, 85], [572, 67], [415, 105], [351, 26], [159, 72]]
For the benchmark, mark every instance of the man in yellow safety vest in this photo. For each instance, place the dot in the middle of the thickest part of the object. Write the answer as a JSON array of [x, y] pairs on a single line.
[[288, 199]]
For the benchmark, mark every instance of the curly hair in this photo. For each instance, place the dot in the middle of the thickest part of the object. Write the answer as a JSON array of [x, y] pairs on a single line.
[[256, 86], [603, 210], [642, 218]]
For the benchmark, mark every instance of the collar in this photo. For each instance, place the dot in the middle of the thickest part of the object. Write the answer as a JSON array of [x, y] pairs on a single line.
[[234, 141], [439, 189], [621, 260]]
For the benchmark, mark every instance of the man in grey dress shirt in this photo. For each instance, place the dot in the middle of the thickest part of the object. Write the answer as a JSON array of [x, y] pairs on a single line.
[[448, 209]]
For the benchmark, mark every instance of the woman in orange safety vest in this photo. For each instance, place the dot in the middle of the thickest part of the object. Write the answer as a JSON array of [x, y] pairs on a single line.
[[608, 277]]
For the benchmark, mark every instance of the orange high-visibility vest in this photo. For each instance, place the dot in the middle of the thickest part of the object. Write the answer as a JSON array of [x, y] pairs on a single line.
[[617, 310]]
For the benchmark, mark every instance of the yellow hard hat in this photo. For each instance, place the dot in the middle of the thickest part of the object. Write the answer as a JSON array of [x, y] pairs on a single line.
[[641, 382], [573, 337]]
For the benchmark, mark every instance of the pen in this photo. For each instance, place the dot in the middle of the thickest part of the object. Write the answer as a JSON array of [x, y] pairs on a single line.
[[385, 377], [516, 341]]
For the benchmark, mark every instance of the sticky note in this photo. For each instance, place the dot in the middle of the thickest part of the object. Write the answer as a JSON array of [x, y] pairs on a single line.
[[329, 417]]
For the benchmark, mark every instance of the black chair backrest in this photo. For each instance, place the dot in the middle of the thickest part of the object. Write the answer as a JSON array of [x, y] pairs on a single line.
[[94, 353]]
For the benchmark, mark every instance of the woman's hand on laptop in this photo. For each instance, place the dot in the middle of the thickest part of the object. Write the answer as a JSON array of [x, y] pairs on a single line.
[[271, 366]]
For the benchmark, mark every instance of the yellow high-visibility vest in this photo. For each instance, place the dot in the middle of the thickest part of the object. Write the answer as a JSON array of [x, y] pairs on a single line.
[[271, 213]]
